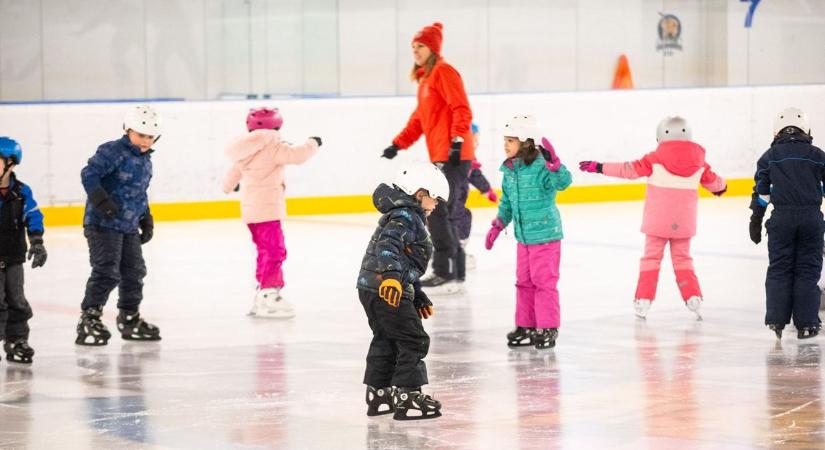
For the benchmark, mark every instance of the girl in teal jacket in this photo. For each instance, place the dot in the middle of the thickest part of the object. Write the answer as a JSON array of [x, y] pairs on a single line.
[[532, 176]]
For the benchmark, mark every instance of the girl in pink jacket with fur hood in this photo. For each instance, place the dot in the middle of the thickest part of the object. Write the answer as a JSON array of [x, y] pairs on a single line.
[[258, 172], [674, 172]]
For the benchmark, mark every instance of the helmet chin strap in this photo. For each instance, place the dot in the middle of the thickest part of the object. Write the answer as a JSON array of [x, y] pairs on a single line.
[[7, 165]]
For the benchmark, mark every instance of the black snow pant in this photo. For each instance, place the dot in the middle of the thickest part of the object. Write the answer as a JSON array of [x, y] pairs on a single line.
[[15, 311], [795, 239], [117, 261], [399, 343], [443, 223]]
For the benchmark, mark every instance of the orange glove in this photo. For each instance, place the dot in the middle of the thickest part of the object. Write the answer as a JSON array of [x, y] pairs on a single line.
[[390, 291], [425, 312]]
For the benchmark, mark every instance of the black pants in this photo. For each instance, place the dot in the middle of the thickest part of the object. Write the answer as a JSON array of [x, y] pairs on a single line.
[[399, 343], [117, 261], [795, 239], [444, 223], [15, 311]]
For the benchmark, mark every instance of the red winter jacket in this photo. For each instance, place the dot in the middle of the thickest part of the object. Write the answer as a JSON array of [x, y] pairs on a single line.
[[443, 112]]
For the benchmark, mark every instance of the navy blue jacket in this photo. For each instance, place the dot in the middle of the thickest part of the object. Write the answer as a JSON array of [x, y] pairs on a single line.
[[790, 174], [19, 214], [124, 173], [400, 248]]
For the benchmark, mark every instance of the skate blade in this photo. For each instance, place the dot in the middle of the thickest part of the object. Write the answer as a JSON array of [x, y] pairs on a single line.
[[273, 315], [431, 415], [374, 413], [520, 344], [129, 337], [545, 346]]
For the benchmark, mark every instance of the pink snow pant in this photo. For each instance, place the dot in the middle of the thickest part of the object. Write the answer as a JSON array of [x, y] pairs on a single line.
[[682, 267], [269, 239], [537, 273]]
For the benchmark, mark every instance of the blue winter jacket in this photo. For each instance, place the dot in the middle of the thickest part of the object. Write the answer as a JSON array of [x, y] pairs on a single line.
[[124, 173], [790, 175]]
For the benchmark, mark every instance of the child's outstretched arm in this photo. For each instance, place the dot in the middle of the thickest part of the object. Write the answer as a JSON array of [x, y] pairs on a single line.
[[296, 154], [629, 170]]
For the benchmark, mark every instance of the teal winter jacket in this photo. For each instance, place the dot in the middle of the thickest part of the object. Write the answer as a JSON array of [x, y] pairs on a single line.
[[529, 200]]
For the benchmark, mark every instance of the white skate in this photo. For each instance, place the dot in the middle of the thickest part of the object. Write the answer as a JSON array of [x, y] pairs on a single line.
[[270, 305], [641, 306], [693, 304]]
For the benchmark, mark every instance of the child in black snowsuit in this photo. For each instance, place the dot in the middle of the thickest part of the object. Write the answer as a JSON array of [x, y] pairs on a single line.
[[790, 175], [390, 292], [19, 216]]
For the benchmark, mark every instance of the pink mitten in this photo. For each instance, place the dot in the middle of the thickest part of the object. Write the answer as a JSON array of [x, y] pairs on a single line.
[[475, 165], [492, 235], [553, 162], [590, 166], [491, 195]]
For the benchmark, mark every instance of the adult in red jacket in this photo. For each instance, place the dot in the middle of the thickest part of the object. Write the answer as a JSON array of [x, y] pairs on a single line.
[[443, 116]]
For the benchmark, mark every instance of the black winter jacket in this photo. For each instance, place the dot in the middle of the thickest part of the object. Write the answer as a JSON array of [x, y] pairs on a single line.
[[400, 248], [790, 175]]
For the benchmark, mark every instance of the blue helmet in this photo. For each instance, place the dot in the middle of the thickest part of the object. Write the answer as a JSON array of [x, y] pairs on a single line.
[[474, 128], [10, 149]]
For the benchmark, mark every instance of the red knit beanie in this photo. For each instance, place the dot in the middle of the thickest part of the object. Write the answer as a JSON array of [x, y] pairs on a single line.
[[431, 37]]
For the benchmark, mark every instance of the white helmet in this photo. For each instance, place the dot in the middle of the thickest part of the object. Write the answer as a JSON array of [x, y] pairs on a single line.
[[142, 119], [791, 117], [523, 128], [417, 175], [673, 129]]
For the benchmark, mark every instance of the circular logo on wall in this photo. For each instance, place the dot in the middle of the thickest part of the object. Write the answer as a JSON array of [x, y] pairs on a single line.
[[670, 34]]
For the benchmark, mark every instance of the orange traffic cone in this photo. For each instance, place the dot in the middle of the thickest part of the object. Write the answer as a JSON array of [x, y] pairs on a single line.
[[622, 79]]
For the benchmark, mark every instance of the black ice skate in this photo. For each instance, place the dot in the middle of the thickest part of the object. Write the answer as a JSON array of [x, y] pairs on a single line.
[[545, 337], [776, 329], [437, 285], [377, 398], [18, 351], [411, 404], [90, 329], [133, 328], [520, 337], [807, 332]]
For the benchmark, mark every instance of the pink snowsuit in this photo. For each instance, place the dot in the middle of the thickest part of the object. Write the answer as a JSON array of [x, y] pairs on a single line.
[[258, 166], [674, 170]]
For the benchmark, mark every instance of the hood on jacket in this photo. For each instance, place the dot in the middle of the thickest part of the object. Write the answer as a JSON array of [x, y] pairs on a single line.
[[682, 158], [251, 143], [787, 138], [386, 198]]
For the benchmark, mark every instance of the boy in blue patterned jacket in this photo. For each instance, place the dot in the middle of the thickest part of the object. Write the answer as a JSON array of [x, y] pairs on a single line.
[[19, 215], [116, 223], [390, 292]]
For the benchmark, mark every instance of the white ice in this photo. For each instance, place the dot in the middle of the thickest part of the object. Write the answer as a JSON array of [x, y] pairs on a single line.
[[220, 379]]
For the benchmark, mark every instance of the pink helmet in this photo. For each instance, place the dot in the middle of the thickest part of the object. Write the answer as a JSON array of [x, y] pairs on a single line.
[[264, 118]]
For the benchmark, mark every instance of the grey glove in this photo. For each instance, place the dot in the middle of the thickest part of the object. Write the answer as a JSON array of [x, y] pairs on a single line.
[[37, 251]]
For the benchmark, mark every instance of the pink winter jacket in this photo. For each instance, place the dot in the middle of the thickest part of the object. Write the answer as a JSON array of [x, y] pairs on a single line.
[[258, 165], [674, 170]]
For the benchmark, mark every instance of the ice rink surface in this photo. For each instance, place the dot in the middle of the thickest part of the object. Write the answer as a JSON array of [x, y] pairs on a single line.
[[220, 379]]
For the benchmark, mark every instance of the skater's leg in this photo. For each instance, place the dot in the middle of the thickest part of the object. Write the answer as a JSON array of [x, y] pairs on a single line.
[[779, 279], [4, 307], [132, 272], [442, 236], [807, 267], [20, 311], [254, 231], [457, 207], [649, 267], [382, 354], [683, 268], [269, 239], [544, 273], [105, 250], [525, 289]]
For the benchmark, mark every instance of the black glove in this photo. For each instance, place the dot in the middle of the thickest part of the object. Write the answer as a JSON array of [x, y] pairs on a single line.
[[390, 152], [720, 193], [237, 188], [317, 139], [103, 203], [37, 251], [423, 305], [455, 153], [147, 227], [756, 229]]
